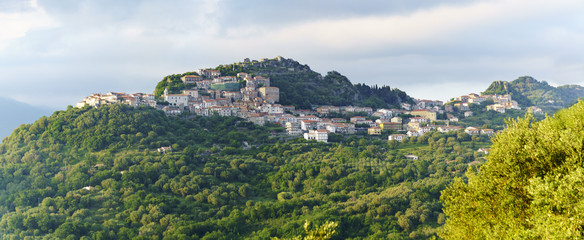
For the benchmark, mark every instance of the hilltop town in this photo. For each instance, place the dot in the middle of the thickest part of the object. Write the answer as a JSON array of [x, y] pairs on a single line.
[[254, 99], [369, 157]]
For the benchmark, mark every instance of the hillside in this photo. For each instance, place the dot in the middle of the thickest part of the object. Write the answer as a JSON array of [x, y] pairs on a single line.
[[96, 172], [528, 91], [302, 87]]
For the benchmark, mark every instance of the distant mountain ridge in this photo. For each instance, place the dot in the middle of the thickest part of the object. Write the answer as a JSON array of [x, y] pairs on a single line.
[[528, 91], [302, 87], [17, 113]]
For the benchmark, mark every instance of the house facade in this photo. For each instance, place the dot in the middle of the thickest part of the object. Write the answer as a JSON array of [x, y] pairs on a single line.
[[270, 93], [397, 137], [374, 131], [318, 135], [424, 113], [191, 79]]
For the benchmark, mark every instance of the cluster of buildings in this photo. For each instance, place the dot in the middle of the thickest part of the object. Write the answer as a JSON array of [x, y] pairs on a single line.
[[444, 129], [252, 98], [387, 120], [424, 115], [136, 99], [210, 93], [326, 110], [317, 128], [433, 105], [501, 102], [257, 102]]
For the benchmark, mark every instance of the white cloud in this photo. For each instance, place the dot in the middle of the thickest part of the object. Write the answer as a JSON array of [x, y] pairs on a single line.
[[15, 25], [93, 46], [424, 27]]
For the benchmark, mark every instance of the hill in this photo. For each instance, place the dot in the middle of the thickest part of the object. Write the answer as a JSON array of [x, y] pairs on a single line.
[[302, 87], [528, 91], [96, 172], [17, 113]]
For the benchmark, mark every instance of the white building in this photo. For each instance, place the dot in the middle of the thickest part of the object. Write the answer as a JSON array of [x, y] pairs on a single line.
[[318, 135], [308, 124], [413, 134], [293, 128], [221, 111], [445, 129], [192, 93], [497, 107], [419, 119], [396, 119], [177, 99], [397, 137], [272, 108], [472, 131], [383, 113]]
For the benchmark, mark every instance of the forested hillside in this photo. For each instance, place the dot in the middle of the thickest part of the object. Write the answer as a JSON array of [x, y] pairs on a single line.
[[302, 87], [96, 174], [531, 187], [528, 91]]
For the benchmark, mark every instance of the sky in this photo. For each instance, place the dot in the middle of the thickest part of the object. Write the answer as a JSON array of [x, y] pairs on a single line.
[[55, 52]]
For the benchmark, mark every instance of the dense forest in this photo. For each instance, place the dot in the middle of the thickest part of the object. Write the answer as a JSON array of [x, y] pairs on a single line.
[[95, 173], [302, 87], [531, 187]]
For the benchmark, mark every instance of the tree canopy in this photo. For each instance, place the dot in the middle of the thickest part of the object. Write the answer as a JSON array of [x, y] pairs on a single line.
[[95, 173], [529, 188]]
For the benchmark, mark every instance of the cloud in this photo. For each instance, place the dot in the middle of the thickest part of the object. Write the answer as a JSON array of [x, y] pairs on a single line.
[[72, 48], [275, 14], [18, 19], [433, 26]]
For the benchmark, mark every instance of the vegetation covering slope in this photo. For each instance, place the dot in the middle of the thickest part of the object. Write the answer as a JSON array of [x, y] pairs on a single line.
[[531, 187], [527, 91], [302, 87], [95, 174]]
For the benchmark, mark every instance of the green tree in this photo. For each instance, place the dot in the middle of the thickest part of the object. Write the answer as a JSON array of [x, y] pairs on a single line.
[[530, 186], [323, 232]]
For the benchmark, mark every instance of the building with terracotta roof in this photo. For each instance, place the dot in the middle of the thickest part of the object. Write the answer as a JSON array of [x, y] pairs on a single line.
[[471, 131], [308, 124], [191, 79], [488, 132], [445, 129]]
